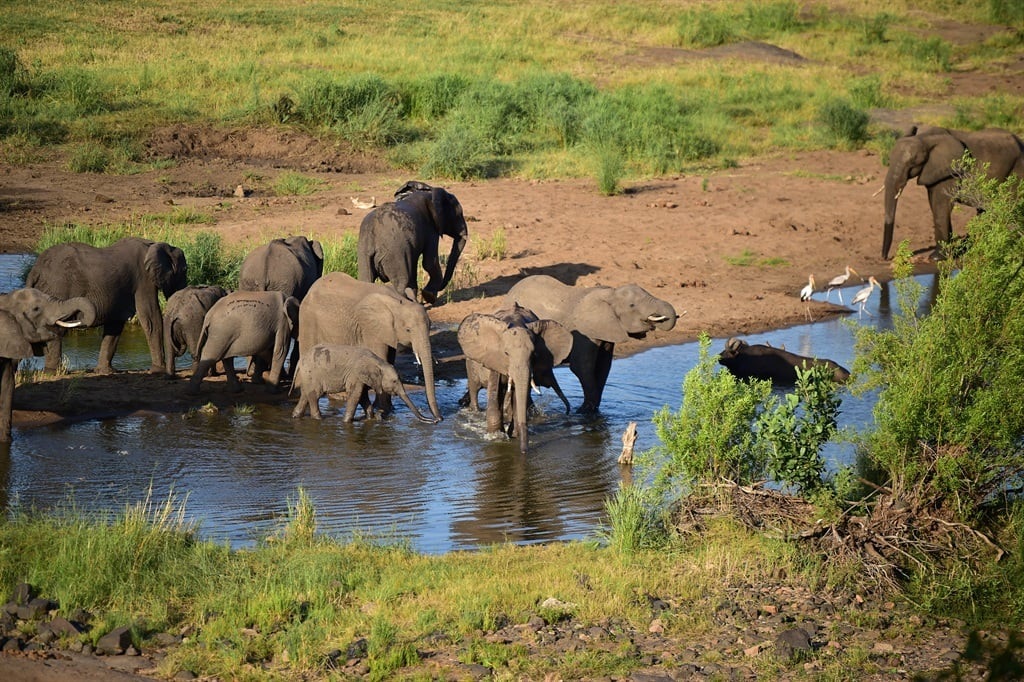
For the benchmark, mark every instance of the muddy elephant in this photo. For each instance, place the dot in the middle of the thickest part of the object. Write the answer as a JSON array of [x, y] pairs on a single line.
[[394, 236], [507, 352], [122, 280], [183, 322], [330, 368], [29, 318], [930, 155], [246, 323], [598, 317], [759, 361], [289, 265], [343, 310]]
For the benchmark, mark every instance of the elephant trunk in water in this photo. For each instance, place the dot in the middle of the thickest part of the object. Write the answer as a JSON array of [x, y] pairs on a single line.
[[894, 184], [412, 407], [519, 388], [421, 346]]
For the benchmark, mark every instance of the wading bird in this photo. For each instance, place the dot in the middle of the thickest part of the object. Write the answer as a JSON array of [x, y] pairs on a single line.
[[805, 294], [838, 281], [861, 297]]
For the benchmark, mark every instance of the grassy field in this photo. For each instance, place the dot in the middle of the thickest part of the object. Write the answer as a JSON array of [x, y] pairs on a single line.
[[479, 89]]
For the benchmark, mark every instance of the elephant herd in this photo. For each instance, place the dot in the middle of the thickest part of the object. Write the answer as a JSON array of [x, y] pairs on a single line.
[[285, 301], [342, 333]]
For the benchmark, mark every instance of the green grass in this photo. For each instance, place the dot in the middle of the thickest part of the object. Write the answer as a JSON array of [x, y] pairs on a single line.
[[513, 89]]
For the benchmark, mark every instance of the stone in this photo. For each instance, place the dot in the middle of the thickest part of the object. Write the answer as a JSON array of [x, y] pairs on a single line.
[[35, 609], [185, 675], [792, 642], [23, 594], [166, 639], [63, 627], [12, 644], [115, 642]]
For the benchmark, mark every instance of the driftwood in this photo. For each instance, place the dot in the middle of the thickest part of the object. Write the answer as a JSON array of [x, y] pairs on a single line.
[[628, 441]]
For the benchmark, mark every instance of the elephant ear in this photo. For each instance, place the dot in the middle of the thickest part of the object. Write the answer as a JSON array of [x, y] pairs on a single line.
[[480, 338], [941, 156], [12, 343], [291, 311], [595, 317], [444, 209], [375, 318], [554, 337], [166, 267]]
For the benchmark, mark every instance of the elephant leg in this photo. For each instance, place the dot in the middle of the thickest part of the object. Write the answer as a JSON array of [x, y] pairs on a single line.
[[230, 373], [940, 198], [300, 406], [496, 389], [6, 397], [198, 374], [353, 399], [108, 346], [590, 363], [312, 399]]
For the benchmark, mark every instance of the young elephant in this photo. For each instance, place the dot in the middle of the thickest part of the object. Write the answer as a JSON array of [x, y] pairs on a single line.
[[331, 368], [507, 352], [183, 322], [248, 323]]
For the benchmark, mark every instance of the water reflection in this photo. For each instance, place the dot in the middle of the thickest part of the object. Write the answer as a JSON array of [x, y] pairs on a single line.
[[444, 487]]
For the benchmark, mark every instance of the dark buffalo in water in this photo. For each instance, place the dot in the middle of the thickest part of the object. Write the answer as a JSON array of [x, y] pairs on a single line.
[[760, 361]]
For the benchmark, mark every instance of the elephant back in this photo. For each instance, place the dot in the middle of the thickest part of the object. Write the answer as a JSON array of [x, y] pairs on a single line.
[[290, 266]]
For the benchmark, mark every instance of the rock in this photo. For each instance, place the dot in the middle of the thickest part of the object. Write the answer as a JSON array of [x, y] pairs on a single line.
[[536, 623], [115, 642], [35, 609], [12, 644], [62, 627], [792, 642], [240, 192], [23, 594], [185, 675], [166, 639]]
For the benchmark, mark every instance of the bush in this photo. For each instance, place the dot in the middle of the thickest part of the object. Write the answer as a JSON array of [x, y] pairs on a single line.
[[847, 123], [89, 157], [948, 423]]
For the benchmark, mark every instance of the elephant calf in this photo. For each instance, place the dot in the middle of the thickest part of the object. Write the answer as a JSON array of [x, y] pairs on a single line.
[[759, 361], [183, 322], [331, 368]]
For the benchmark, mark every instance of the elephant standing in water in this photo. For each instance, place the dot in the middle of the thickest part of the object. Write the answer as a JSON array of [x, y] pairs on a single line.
[[393, 237], [246, 323], [28, 319], [342, 310], [930, 155], [329, 368], [598, 317], [507, 352], [122, 280], [759, 361], [183, 321]]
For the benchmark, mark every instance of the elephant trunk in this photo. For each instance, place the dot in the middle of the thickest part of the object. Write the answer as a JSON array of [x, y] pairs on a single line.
[[421, 346], [76, 312], [404, 395], [453, 256], [894, 185], [519, 388], [664, 316]]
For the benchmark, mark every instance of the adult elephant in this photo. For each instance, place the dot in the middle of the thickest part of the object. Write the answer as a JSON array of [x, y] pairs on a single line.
[[507, 352], [930, 155], [342, 310], [246, 323], [759, 361], [598, 317], [28, 319], [394, 236], [122, 280], [289, 265], [183, 322]]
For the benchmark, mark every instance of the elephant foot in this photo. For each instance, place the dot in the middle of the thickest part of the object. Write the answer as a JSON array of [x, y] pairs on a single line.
[[105, 371], [587, 408], [156, 369]]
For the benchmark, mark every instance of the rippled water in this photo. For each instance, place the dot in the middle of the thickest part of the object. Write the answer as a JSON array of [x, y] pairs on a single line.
[[441, 488]]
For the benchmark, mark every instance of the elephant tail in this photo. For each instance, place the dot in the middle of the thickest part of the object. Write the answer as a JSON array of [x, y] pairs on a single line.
[[296, 377]]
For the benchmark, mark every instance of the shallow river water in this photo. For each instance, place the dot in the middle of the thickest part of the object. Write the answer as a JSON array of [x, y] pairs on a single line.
[[440, 488]]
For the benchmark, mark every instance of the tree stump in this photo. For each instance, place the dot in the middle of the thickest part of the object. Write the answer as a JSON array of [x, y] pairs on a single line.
[[628, 440]]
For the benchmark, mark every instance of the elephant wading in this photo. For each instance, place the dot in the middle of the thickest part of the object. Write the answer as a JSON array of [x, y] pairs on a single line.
[[183, 322], [507, 352], [122, 280], [394, 236], [28, 318], [758, 361], [330, 368], [598, 317], [930, 155], [341, 310], [246, 323]]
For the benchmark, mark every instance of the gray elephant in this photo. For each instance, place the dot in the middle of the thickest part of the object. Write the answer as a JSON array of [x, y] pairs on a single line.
[[340, 309], [330, 368], [183, 322], [246, 323], [394, 236], [598, 317], [288, 265], [122, 280], [759, 361], [930, 155], [28, 319], [507, 352]]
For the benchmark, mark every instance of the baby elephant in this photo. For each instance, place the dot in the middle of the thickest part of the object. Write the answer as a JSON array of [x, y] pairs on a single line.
[[332, 368], [183, 322], [247, 323], [766, 362]]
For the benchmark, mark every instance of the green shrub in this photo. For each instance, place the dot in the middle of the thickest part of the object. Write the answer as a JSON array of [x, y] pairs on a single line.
[[933, 53], [89, 157], [13, 75], [342, 255], [1006, 12], [290, 183], [457, 154], [765, 19], [610, 167], [711, 438], [705, 27], [847, 123], [948, 423]]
